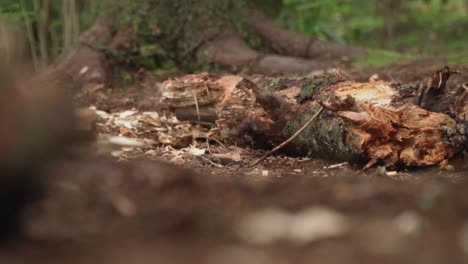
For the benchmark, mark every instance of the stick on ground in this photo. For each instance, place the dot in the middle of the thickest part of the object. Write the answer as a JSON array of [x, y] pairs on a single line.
[[289, 139]]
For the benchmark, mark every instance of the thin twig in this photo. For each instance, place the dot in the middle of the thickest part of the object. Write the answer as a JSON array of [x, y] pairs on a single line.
[[208, 146], [289, 139], [207, 90], [211, 162], [215, 140], [196, 104]]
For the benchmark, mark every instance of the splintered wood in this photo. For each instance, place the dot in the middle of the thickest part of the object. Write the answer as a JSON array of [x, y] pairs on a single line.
[[362, 121], [383, 130], [460, 103], [227, 101]]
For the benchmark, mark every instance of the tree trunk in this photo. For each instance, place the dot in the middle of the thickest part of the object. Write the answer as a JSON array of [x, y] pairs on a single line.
[[192, 34]]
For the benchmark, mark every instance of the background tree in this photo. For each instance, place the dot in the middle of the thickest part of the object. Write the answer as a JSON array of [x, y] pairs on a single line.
[[194, 34], [185, 34]]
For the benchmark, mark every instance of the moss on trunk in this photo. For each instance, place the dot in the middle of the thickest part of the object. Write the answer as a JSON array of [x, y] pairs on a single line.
[[325, 138], [173, 30], [194, 35]]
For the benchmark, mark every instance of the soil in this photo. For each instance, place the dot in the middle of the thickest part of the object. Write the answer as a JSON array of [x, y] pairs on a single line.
[[139, 208]]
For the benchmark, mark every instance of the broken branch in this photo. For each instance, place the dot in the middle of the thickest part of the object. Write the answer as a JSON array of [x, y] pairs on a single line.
[[280, 146]]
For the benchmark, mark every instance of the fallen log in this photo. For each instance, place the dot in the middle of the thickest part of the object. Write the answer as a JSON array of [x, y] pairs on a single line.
[[373, 121]]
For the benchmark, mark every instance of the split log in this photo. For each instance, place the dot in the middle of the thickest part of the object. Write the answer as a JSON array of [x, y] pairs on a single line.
[[370, 121], [433, 94]]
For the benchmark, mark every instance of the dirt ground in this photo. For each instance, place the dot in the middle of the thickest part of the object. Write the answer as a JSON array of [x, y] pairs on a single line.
[[136, 207]]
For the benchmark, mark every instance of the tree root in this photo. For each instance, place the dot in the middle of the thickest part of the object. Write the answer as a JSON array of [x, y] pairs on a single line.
[[86, 60], [231, 50], [296, 44], [83, 62]]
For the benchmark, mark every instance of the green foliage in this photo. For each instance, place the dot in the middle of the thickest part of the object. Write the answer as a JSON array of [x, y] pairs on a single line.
[[458, 57], [147, 51], [13, 10], [379, 58], [315, 84], [414, 26], [305, 16], [126, 78]]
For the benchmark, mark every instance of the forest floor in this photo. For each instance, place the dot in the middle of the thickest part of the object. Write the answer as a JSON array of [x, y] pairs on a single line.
[[129, 207]]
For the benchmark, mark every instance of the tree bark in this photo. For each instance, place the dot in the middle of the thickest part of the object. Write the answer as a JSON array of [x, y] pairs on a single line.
[[84, 62], [192, 33]]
